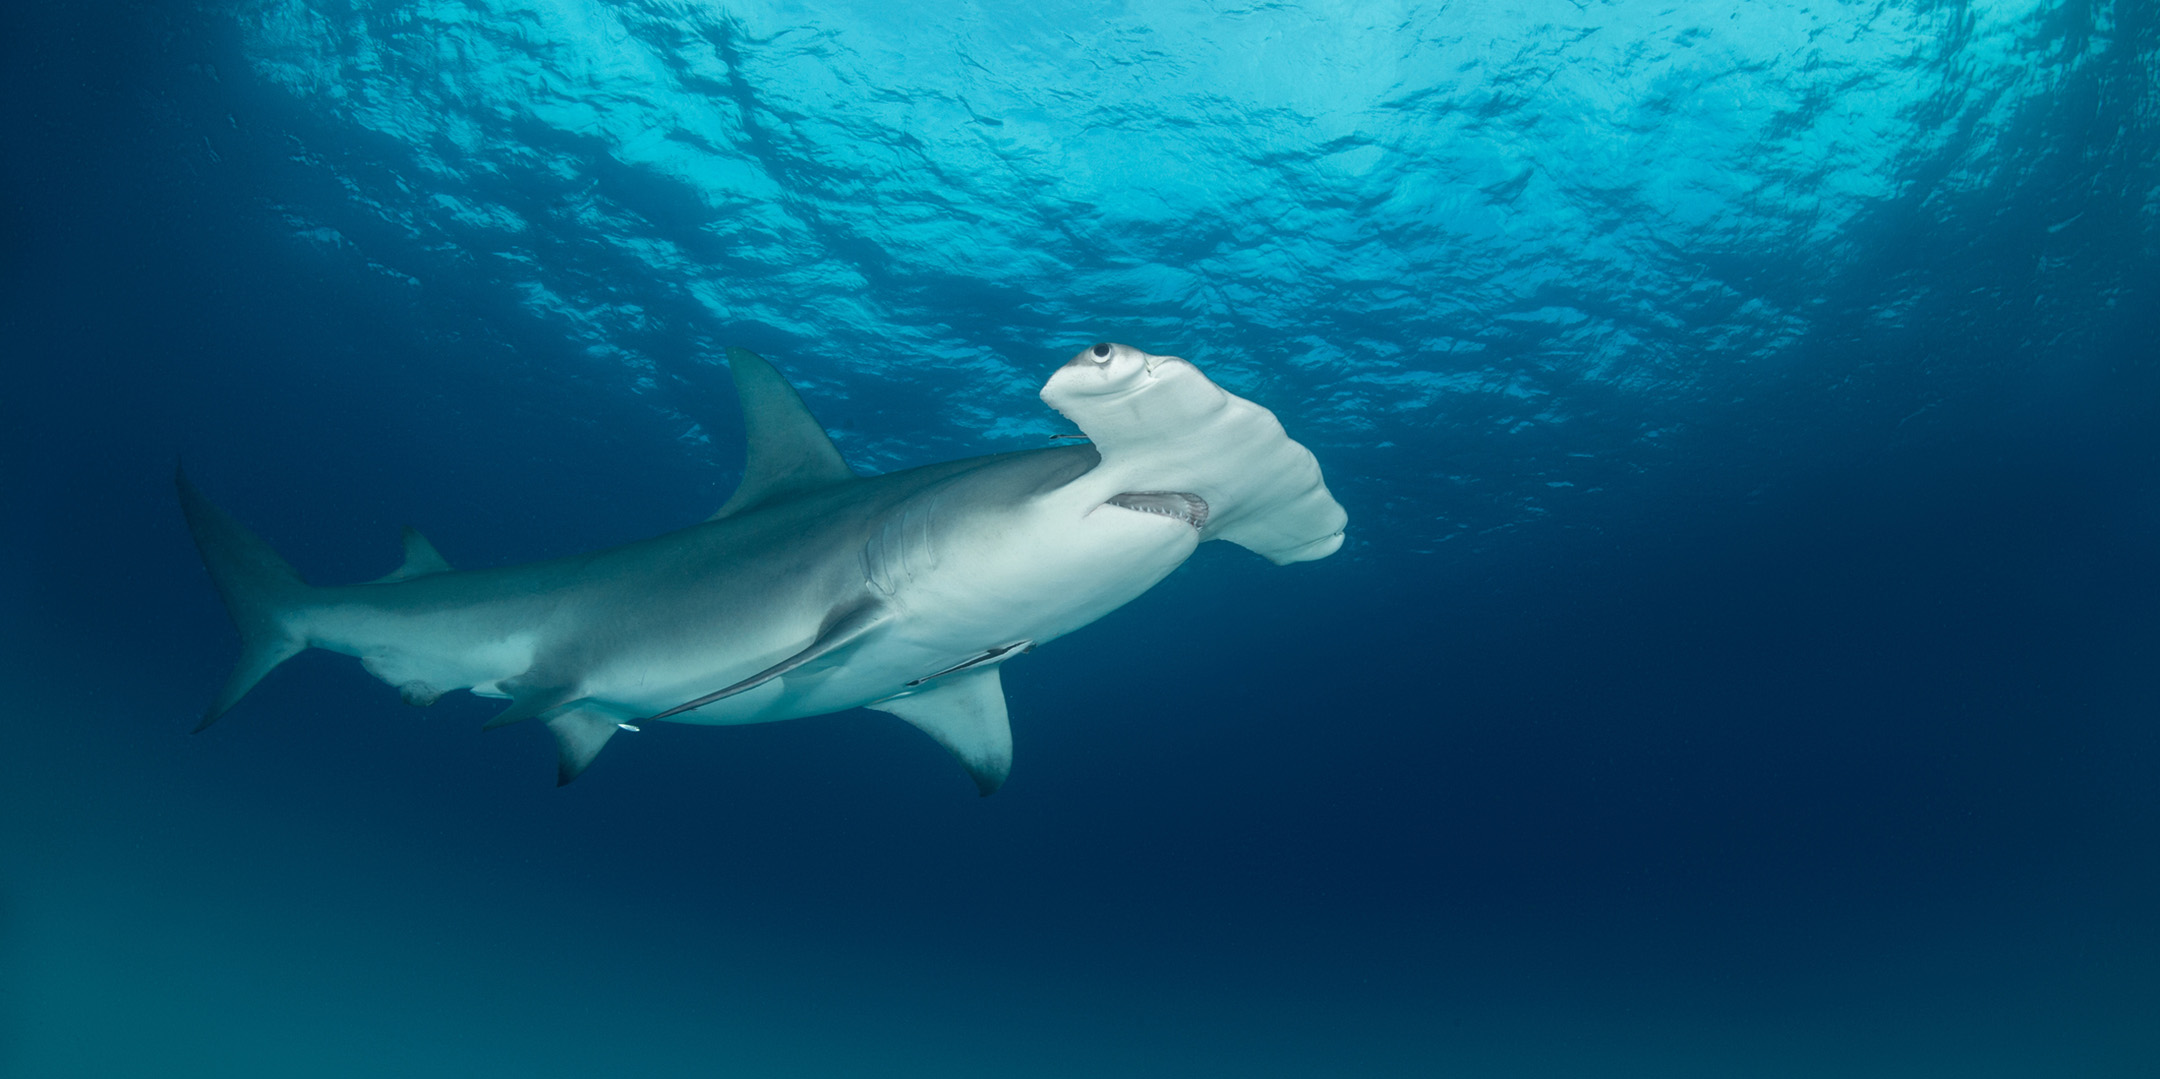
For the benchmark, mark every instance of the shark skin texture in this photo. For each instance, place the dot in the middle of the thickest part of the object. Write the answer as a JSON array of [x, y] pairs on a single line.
[[814, 590]]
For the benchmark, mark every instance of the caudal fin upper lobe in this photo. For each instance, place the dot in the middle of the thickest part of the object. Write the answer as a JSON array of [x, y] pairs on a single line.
[[263, 593]]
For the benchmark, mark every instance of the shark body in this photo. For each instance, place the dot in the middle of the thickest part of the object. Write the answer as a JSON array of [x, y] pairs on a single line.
[[814, 590]]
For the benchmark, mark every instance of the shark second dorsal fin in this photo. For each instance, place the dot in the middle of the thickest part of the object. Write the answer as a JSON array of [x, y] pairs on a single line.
[[421, 559], [965, 712], [788, 452]]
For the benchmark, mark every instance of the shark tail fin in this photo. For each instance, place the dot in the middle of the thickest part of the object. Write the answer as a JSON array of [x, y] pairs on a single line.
[[264, 595]]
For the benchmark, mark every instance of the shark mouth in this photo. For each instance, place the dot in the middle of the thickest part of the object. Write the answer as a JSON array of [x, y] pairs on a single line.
[[1180, 505]]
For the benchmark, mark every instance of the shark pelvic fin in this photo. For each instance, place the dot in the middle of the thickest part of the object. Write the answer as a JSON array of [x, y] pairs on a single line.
[[421, 559], [263, 593], [839, 632], [965, 712], [529, 700], [788, 452], [580, 733]]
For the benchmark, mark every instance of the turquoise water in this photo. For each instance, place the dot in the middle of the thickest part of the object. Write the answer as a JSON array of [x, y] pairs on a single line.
[[1742, 661]]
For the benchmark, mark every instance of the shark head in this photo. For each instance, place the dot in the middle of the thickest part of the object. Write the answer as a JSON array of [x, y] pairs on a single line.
[[1175, 444]]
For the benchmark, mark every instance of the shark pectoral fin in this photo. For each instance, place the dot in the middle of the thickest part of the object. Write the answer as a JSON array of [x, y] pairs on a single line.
[[839, 632], [421, 559], [527, 701], [788, 451], [965, 712], [579, 735]]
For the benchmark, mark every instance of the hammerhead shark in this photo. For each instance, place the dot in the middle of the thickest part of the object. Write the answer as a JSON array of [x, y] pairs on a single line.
[[815, 590]]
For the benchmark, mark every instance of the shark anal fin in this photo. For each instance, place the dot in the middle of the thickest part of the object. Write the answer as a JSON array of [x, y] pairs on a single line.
[[421, 559], [838, 633], [965, 712], [788, 453], [527, 701], [580, 733]]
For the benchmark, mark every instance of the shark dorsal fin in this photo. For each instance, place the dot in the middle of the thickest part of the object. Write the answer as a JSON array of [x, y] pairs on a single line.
[[788, 452], [421, 559]]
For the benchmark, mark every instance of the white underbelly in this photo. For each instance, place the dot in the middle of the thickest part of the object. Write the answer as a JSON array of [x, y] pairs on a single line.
[[426, 655]]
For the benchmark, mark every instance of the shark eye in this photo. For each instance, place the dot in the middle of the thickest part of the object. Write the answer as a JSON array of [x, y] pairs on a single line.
[[1102, 351]]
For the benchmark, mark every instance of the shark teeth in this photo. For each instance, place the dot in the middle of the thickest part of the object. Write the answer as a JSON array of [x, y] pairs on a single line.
[[1180, 505]]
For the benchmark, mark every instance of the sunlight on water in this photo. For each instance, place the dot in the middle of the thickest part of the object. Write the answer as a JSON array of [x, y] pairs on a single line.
[[1528, 233]]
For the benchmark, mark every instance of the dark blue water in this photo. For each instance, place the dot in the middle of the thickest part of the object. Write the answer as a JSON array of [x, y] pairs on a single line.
[[1745, 661]]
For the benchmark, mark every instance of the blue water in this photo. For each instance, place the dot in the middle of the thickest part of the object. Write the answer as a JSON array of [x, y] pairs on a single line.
[[1745, 660]]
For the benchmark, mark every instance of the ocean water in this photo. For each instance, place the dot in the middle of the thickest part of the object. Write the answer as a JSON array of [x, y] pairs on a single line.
[[1744, 661]]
